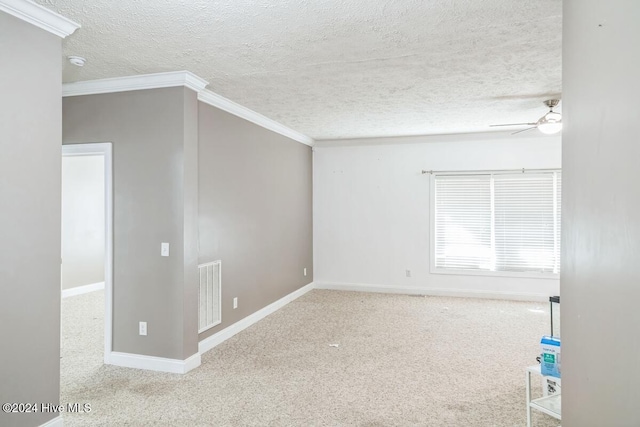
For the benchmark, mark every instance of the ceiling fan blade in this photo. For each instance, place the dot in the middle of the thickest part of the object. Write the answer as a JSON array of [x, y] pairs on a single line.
[[526, 96], [514, 124], [523, 130]]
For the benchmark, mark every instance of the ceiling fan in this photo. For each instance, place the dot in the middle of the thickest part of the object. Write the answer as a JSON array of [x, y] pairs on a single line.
[[549, 124]]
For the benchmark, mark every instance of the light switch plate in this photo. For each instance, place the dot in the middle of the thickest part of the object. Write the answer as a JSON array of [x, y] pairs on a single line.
[[164, 249], [143, 328]]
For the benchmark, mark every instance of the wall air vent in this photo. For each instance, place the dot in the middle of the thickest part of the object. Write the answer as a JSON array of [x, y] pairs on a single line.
[[209, 296]]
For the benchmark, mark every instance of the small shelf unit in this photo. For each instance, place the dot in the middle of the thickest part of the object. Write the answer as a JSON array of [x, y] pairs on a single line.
[[550, 405]]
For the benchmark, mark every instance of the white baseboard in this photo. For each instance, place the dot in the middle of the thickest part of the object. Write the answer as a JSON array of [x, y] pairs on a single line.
[[56, 422], [219, 337], [408, 290], [66, 293], [192, 362], [152, 363]]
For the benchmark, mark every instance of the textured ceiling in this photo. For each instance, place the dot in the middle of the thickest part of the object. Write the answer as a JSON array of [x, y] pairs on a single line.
[[337, 69]]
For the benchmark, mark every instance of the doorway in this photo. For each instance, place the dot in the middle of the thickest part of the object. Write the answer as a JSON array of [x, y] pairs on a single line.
[[87, 228]]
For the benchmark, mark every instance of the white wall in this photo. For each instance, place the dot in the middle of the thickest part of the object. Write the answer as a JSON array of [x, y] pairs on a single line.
[[601, 235], [371, 210], [82, 220]]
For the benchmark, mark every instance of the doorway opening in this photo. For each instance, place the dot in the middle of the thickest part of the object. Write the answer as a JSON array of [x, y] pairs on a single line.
[[87, 252]]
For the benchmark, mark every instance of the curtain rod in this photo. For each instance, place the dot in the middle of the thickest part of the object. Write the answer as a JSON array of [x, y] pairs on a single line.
[[485, 172]]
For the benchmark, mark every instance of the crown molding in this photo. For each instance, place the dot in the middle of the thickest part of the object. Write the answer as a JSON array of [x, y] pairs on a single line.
[[180, 78], [229, 106], [140, 82], [39, 16]]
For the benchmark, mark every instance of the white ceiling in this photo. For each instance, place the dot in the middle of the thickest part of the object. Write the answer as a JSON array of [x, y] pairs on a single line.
[[337, 69]]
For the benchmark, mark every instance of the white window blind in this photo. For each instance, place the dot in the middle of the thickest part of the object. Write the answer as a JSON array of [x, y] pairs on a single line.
[[558, 198], [498, 222], [524, 229], [463, 218]]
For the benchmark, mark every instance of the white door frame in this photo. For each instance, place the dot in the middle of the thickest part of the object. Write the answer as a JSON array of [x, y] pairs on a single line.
[[92, 149]]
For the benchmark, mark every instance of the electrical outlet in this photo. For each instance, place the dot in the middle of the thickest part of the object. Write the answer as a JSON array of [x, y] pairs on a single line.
[[143, 328], [408, 273], [164, 249], [235, 303], [305, 271]]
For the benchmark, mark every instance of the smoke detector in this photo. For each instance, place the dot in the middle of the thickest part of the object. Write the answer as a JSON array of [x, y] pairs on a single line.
[[77, 60]]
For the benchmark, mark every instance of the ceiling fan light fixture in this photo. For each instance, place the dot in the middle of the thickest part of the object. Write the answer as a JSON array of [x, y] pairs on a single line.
[[548, 124], [551, 122], [552, 116], [549, 128]]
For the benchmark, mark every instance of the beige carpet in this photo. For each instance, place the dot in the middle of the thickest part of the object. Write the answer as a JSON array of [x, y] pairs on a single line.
[[400, 361]]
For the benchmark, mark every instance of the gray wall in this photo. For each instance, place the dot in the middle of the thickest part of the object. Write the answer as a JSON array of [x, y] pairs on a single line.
[[30, 86], [152, 174], [255, 211], [600, 281], [82, 220], [190, 225]]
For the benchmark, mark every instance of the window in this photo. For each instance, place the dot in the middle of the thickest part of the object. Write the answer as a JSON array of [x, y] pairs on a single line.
[[497, 222]]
